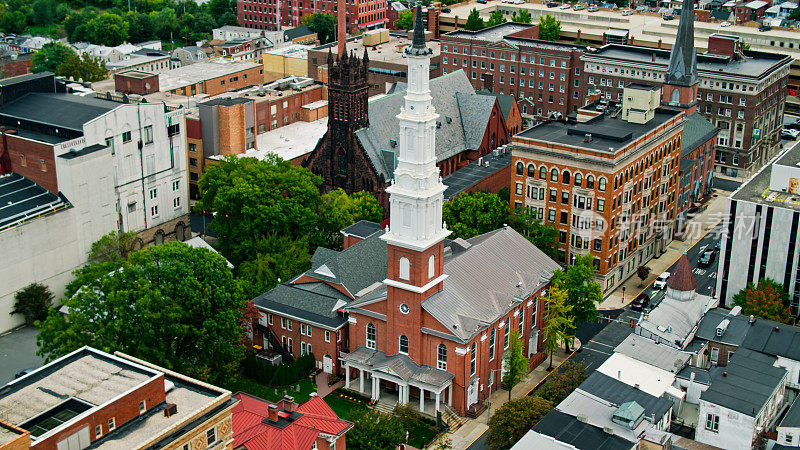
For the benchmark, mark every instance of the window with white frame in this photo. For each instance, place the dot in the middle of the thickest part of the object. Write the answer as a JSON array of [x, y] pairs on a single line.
[[211, 436], [505, 332], [712, 422], [403, 344], [404, 269], [441, 357], [473, 358], [370, 336], [112, 423], [327, 336]]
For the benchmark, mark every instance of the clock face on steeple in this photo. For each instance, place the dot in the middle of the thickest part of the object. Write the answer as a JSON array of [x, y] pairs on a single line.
[[404, 308]]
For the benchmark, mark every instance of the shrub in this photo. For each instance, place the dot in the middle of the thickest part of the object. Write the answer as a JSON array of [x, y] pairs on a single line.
[[33, 302]]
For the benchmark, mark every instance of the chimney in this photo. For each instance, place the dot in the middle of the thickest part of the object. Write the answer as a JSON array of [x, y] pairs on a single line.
[[272, 412], [659, 43], [288, 403], [752, 319], [341, 19]]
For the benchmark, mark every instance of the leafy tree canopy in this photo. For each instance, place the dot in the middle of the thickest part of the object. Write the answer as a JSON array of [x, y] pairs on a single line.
[[405, 20], [522, 16], [33, 302], [562, 382], [324, 24], [583, 293], [474, 21], [473, 213], [514, 419], [549, 28], [49, 57], [496, 18], [375, 431], [115, 246], [276, 258], [108, 29], [557, 324], [768, 300], [171, 304], [543, 235], [516, 364]]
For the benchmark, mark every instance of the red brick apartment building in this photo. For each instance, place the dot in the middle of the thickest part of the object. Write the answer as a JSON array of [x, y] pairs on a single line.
[[274, 14], [510, 59], [92, 398]]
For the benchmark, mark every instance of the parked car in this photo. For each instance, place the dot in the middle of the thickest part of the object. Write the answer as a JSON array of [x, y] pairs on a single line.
[[578, 7], [627, 12], [661, 281], [564, 6], [552, 4], [789, 133], [22, 373], [668, 17], [792, 125], [593, 8], [725, 24], [706, 258], [642, 301], [482, 2], [763, 28], [445, 10]]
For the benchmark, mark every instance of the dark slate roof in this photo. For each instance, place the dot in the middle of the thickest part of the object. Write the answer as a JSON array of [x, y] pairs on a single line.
[[227, 101], [22, 78], [362, 229], [570, 430], [21, 198], [700, 375], [682, 278], [399, 365], [313, 302], [617, 392], [356, 267], [696, 131], [453, 98], [471, 174], [734, 333], [792, 417], [58, 110], [746, 383], [296, 32], [505, 101], [765, 338], [77, 153]]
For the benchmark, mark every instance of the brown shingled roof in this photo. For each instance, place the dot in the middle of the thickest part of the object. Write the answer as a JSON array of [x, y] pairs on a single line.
[[682, 278]]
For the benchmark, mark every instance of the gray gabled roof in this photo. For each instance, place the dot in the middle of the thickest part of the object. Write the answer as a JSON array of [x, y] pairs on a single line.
[[696, 131], [657, 355], [569, 430], [773, 338], [619, 393], [463, 116], [313, 302], [496, 272], [733, 334], [792, 417], [356, 267], [746, 383], [399, 365], [505, 101]]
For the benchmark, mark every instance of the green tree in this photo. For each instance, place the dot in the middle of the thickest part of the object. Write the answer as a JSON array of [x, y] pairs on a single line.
[[33, 302], [165, 23], [495, 18], [141, 27], [504, 193], [50, 56], [557, 324], [108, 29], [562, 382], [405, 20], [521, 16], [583, 293], [642, 272], [473, 213], [171, 304], [366, 207], [514, 419], [474, 21], [13, 22], [549, 28], [374, 431], [324, 24], [115, 246], [82, 67], [254, 198], [768, 301], [516, 364], [276, 258], [543, 235], [44, 12], [335, 211], [228, 18]]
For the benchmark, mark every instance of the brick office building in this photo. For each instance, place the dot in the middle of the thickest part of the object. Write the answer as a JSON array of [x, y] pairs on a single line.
[[274, 14], [509, 59], [741, 92], [607, 181]]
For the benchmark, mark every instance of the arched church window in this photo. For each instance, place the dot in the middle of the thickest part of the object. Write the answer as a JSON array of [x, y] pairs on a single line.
[[405, 268], [431, 266]]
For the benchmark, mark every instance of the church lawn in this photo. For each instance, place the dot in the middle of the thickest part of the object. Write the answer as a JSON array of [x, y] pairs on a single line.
[[252, 387]]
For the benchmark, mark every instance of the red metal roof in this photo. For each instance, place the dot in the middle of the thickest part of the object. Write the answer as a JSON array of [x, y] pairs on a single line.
[[250, 432], [682, 278]]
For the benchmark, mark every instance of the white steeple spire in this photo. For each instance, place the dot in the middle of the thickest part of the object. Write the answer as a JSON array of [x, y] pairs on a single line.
[[417, 193]]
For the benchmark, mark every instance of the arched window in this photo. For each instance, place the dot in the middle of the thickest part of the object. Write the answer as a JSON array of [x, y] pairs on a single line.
[[601, 184], [431, 266], [554, 175], [405, 268], [543, 173], [403, 348], [616, 182], [675, 95], [578, 179], [589, 181], [520, 168], [565, 177], [531, 170], [441, 357], [371, 336]]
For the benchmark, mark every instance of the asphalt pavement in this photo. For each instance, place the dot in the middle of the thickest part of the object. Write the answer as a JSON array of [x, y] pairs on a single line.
[[18, 352]]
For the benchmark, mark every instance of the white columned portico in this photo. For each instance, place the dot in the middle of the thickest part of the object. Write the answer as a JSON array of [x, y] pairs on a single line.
[[421, 400], [376, 388], [437, 401], [361, 380], [450, 395], [347, 375]]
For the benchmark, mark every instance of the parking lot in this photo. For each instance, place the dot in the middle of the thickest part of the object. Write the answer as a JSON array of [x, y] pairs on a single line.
[[18, 352]]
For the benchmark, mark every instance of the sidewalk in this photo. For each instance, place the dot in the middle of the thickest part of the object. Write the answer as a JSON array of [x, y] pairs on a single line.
[[474, 428], [698, 226]]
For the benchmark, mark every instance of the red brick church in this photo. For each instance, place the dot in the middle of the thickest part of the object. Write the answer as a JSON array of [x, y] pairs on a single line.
[[406, 314]]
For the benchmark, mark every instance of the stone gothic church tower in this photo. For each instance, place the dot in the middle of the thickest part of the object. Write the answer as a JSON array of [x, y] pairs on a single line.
[[338, 157]]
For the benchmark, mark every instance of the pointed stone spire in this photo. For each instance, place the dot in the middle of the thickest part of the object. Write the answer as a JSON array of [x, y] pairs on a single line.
[[418, 46], [683, 57]]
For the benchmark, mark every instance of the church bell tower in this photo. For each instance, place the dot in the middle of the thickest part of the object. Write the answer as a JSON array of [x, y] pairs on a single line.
[[680, 81]]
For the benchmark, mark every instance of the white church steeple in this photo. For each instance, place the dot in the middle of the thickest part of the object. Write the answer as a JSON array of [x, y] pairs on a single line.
[[417, 193]]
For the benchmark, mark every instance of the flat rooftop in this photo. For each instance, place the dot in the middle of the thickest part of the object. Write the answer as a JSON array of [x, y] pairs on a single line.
[[388, 52], [134, 60], [756, 189], [471, 174], [201, 71], [21, 199], [138, 74], [290, 141], [9, 432], [491, 34], [298, 51], [747, 368], [57, 110], [609, 133]]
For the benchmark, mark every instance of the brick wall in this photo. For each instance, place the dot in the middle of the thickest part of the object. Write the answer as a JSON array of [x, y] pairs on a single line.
[[31, 159], [236, 80], [321, 343]]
